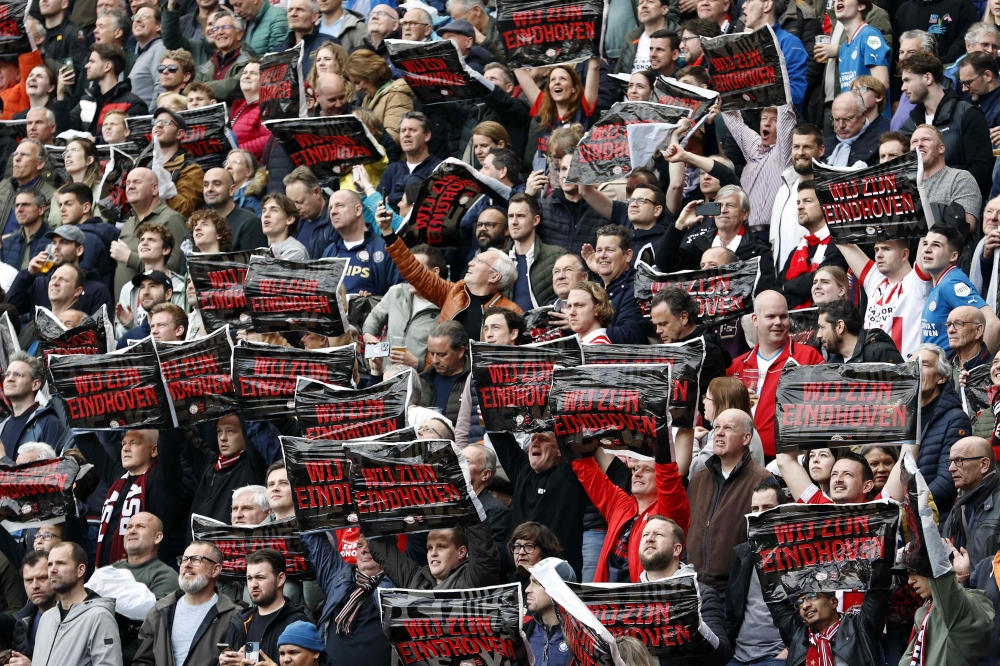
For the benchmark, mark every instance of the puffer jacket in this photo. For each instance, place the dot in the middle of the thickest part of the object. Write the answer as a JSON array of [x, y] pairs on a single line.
[[266, 32], [558, 226], [43, 425], [394, 313], [979, 531], [389, 103], [944, 423], [87, 636], [17, 251], [250, 133], [155, 644], [250, 193], [543, 258]]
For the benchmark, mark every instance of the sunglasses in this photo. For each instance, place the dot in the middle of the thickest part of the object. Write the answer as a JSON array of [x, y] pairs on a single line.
[[167, 68]]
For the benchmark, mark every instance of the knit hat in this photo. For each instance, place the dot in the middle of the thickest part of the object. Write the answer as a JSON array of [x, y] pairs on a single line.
[[303, 634]]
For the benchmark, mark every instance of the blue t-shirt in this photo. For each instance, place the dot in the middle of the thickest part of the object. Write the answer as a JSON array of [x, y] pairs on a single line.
[[522, 292], [867, 49], [953, 289], [442, 390]]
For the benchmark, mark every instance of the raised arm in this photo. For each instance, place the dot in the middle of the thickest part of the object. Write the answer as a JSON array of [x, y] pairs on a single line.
[[528, 85], [794, 474], [592, 86], [857, 260], [599, 201], [991, 336]]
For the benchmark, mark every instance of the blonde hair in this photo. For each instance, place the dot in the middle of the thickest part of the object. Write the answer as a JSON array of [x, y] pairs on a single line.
[[839, 276], [633, 652], [563, 140], [371, 121], [340, 65], [172, 101], [874, 85], [493, 131], [603, 311], [366, 66]]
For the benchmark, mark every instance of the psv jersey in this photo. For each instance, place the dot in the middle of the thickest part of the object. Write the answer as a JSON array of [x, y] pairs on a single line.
[[896, 308]]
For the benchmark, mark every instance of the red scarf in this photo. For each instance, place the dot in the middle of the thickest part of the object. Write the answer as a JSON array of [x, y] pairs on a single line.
[[800, 258], [820, 652], [134, 502], [917, 655], [223, 462]]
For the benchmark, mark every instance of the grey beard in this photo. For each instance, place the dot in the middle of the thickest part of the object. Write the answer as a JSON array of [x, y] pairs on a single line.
[[195, 585]]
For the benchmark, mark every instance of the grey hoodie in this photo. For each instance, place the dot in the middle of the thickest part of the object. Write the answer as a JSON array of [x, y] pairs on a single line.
[[88, 636]]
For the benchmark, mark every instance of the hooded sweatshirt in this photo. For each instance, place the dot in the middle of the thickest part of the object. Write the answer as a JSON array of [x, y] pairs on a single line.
[[87, 635]]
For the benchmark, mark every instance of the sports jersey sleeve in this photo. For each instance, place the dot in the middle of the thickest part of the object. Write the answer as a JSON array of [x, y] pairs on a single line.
[[813, 495], [875, 50], [871, 278], [962, 292]]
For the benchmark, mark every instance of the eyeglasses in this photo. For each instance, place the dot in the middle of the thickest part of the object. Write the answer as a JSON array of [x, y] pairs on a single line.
[[488, 225], [966, 84], [960, 462], [410, 24], [167, 68], [141, 17], [220, 28], [845, 121], [72, 150], [194, 559], [958, 324], [687, 39], [381, 14], [526, 548], [162, 122], [15, 375], [234, 163], [638, 200], [861, 89], [45, 537]]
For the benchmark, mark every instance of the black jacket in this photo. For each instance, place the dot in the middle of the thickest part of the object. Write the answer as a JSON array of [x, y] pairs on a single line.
[[454, 403], [798, 290], [22, 640], [680, 252], [865, 148], [284, 616], [952, 17], [247, 231], [717, 360], [980, 534], [856, 641], [713, 614], [512, 112], [875, 346], [29, 290], [982, 578], [561, 226], [88, 114]]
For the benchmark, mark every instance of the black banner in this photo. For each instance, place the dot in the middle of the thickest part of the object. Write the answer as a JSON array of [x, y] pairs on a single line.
[[37, 493], [296, 295], [924, 553], [434, 71], [330, 412], [802, 326], [603, 153], [672, 92], [852, 404], [264, 375], [199, 377], [113, 205], [800, 548], [8, 346], [204, 139], [881, 202], [218, 284], [540, 326], [94, 335], [684, 358], [747, 69], [238, 541], [979, 393], [122, 390], [411, 487], [634, 413], [13, 33], [722, 293], [513, 382], [330, 146], [455, 627], [282, 84], [665, 615], [446, 197], [539, 33]]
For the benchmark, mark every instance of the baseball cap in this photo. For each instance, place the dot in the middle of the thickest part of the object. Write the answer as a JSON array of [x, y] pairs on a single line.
[[459, 27], [69, 232], [181, 123], [561, 567], [159, 277]]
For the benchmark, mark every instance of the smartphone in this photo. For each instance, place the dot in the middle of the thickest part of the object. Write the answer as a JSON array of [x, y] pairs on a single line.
[[68, 63], [253, 652], [708, 208], [223, 646]]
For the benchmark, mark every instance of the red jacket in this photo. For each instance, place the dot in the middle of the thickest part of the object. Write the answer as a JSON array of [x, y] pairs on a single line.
[[249, 131], [618, 507], [763, 418]]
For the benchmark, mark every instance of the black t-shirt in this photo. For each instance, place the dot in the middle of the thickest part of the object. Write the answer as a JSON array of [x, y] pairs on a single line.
[[258, 625], [471, 318], [618, 557]]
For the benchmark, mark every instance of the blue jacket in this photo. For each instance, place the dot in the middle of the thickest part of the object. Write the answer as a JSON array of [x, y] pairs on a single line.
[[313, 41], [316, 234], [368, 646], [394, 177], [138, 333], [795, 62], [944, 423], [97, 249], [42, 426], [628, 327], [12, 252], [29, 290], [550, 649], [371, 268]]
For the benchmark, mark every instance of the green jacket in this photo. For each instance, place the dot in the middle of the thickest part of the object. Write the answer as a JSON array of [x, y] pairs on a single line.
[[543, 258], [226, 89], [960, 625], [266, 32]]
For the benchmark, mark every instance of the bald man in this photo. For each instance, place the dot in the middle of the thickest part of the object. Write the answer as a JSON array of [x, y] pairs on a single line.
[[966, 327], [974, 521], [143, 537], [371, 270], [143, 194], [332, 95], [218, 190], [383, 21], [761, 368]]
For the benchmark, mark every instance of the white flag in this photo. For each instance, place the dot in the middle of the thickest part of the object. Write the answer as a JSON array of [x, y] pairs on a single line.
[[644, 139]]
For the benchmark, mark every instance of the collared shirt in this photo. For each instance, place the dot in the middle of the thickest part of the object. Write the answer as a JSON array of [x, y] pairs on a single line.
[[139, 50], [982, 358], [223, 62]]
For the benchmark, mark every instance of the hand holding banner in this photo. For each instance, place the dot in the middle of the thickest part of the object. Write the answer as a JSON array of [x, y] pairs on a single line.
[[238, 541], [329, 145], [205, 138], [445, 197], [722, 293], [539, 33], [435, 71], [540, 326], [282, 84], [37, 493], [331, 412], [94, 335], [218, 284], [803, 325], [287, 295], [748, 70], [113, 205], [199, 377], [13, 30]]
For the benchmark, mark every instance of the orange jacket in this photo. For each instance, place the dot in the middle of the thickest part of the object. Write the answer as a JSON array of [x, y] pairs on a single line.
[[15, 100], [451, 297]]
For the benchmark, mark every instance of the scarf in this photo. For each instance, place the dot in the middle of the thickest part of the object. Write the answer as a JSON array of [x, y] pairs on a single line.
[[820, 652], [917, 655], [800, 262], [733, 244], [223, 462], [127, 505], [364, 585], [841, 155]]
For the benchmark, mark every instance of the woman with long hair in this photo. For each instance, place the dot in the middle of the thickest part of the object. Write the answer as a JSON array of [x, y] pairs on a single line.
[[819, 467], [40, 88], [330, 58], [250, 179], [83, 165], [723, 393], [486, 136], [246, 122], [562, 99], [830, 284], [388, 99]]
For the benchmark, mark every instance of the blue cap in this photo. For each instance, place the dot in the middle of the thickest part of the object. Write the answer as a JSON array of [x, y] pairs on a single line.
[[304, 634]]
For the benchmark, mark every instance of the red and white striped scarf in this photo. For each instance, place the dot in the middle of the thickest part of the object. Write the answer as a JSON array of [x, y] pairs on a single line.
[[223, 462], [917, 655], [820, 652]]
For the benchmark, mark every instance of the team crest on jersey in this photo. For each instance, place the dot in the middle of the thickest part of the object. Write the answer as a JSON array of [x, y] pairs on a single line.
[[378, 256], [932, 306], [363, 255]]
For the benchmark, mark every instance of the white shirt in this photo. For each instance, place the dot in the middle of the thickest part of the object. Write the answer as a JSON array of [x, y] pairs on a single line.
[[641, 61], [896, 308], [733, 244]]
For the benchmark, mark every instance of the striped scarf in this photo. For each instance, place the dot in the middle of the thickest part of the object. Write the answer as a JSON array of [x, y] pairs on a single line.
[[223, 462], [135, 502], [364, 585], [820, 652]]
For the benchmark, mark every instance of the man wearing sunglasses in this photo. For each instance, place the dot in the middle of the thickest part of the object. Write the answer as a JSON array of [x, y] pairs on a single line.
[[176, 70], [186, 625]]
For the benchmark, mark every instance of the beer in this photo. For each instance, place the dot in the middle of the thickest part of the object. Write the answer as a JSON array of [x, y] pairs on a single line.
[[398, 344], [50, 258]]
